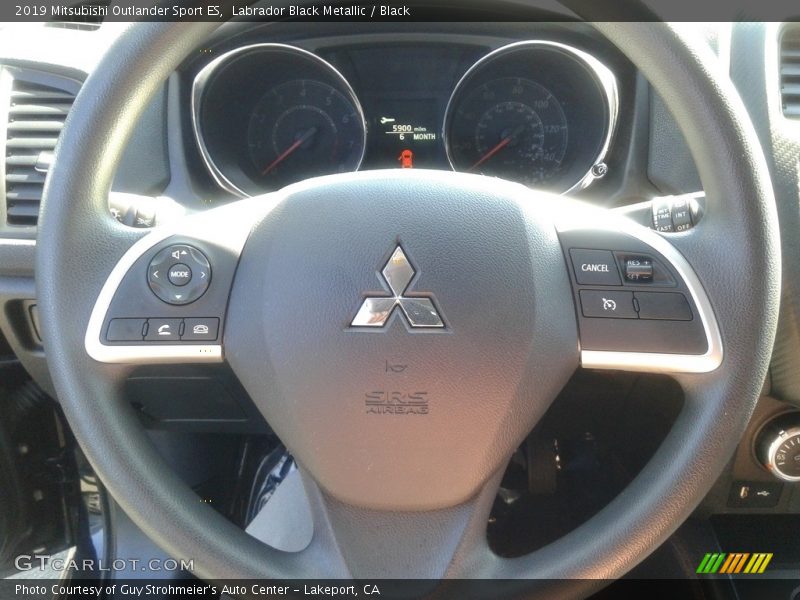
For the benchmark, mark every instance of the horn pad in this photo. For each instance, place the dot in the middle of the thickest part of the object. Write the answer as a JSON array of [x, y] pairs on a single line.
[[403, 331]]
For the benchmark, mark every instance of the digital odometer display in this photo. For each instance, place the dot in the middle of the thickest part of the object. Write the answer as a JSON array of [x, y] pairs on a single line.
[[404, 134]]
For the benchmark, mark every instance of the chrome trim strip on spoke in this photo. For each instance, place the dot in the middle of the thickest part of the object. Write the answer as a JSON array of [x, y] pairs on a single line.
[[649, 361], [17, 242]]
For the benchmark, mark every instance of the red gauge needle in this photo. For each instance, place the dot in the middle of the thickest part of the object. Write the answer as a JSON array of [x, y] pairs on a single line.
[[502, 144], [297, 143]]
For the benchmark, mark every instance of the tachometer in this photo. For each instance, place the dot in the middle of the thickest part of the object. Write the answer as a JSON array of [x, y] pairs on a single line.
[[512, 128], [303, 128], [268, 115]]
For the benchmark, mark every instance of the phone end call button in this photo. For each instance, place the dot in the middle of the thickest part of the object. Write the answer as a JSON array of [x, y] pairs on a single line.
[[195, 330]]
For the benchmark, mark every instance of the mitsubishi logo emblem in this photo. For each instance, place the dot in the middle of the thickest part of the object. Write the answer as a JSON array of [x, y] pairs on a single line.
[[418, 311]]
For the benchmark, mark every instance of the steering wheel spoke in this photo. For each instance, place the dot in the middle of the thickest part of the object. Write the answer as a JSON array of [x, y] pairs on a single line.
[[165, 300], [639, 303]]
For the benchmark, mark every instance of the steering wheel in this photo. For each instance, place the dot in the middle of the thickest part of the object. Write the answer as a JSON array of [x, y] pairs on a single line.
[[468, 283]]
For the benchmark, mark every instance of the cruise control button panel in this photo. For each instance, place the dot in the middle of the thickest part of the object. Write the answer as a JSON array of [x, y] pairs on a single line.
[[629, 297], [179, 274]]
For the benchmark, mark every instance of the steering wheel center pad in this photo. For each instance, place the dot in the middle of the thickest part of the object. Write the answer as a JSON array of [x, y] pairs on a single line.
[[435, 409]]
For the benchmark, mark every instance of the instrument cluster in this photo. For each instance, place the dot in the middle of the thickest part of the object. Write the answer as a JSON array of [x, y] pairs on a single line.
[[541, 113]]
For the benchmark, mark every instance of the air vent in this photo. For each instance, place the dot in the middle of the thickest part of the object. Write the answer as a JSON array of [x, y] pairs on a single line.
[[790, 73], [77, 26], [36, 116], [85, 16]]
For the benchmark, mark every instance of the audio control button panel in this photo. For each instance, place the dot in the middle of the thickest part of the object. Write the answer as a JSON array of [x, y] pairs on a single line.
[[179, 274]]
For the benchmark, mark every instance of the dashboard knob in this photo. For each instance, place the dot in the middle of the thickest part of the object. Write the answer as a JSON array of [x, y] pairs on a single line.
[[778, 447]]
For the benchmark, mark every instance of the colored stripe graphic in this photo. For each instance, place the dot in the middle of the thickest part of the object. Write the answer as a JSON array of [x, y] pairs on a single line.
[[717, 563], [732, 558], [711, 563], [734, 563], [703, 564], [758, 563], [741, 563], [723, 563]]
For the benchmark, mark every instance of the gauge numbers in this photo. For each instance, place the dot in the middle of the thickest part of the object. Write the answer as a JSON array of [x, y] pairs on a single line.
[[512, 128], [304, 128], [787, 455]]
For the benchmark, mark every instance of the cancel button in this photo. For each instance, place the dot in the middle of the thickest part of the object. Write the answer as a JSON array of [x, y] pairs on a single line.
[[594, 267]]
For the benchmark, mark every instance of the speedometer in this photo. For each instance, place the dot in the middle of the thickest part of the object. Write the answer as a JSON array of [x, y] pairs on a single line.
[[512, 128], [539, 112]]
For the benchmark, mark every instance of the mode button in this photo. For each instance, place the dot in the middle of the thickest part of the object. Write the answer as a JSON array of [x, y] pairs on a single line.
[[180, 274], [594, 267]]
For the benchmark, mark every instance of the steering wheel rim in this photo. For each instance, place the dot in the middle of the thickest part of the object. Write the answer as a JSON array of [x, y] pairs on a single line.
[[76, 236]]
